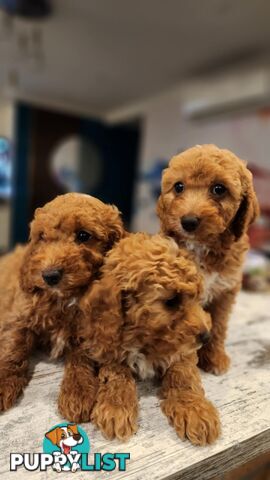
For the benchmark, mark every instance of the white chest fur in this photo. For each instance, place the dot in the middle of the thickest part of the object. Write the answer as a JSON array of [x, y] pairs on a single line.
[[140, 365], [212, 286], [197, 249], [59, 344], [214, 282], [145, 368]]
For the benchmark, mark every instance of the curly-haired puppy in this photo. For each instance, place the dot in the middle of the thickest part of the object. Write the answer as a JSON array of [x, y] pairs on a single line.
[[144, 318], [207, 203], [41, 285]]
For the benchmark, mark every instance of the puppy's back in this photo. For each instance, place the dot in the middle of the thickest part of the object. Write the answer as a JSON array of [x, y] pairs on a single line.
[[10, 265]]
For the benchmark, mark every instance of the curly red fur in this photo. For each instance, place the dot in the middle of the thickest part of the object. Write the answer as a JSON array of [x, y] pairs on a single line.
[[116, 408], [36, 314], [143, 317], [220, 242]]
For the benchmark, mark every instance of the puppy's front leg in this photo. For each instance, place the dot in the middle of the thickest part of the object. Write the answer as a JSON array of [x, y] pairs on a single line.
[[212, 357], [16, 345], [116, 408], [185, 405], [78, 389]]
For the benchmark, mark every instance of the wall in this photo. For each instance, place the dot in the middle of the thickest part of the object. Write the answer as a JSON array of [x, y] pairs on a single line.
[[167, 132], [6, 130], [6, 117]]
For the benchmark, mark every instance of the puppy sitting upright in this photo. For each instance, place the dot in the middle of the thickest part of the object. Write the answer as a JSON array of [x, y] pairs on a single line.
[[41, 285], [207, 203], [143, 317]]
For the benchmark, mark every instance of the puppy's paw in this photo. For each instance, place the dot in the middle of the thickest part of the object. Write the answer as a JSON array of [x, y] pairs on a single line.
[[76, 405], [115, 420], [214, 361], [10, 389], [193, 417]]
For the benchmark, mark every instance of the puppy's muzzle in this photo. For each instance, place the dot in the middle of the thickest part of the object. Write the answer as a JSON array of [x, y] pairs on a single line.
[[52, 277], [190, 223], [204, 337]]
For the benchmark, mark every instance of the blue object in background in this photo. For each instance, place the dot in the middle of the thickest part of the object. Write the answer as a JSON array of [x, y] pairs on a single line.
[[153, 176], [5, 168]]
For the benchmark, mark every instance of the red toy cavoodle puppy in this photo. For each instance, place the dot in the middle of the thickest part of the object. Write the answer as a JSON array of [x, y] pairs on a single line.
[[207, 203], [41, 285], [143, 318]]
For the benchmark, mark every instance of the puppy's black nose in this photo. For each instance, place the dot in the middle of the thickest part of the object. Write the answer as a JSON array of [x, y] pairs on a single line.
[[190, 223], [52, 277], [204, 337], [77, 436]]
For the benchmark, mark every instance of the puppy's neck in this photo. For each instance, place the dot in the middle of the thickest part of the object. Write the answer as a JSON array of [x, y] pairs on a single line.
[[71, 302], [55, 302], [212, 250], [199, 250]]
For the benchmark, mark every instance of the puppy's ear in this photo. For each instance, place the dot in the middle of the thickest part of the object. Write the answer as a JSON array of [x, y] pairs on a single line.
[[25, 273], [166, 182], [115, 226], [160, 207], [102, 313], [106, 299], [52, 435], [161, 213], [239, 223], [248, 209]]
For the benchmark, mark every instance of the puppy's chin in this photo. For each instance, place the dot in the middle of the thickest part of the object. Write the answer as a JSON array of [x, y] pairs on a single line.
[[187, 235], [184, 237], [207, 235]]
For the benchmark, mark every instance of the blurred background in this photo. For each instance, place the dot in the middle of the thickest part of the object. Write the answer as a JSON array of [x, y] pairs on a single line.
[[96, 96]]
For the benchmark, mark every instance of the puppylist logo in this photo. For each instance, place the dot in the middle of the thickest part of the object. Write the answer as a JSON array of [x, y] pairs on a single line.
[[66, 447]]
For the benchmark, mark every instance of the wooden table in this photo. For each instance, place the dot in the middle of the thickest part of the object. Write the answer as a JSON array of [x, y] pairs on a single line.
[[242, 397]]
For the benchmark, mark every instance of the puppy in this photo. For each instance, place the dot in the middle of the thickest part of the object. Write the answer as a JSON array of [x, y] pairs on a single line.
[[144, 318], [41, 285], [65, 438], [207, 203]]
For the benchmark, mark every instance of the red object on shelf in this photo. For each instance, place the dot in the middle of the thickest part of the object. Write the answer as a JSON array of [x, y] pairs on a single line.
[[258, 236], [261, 180], [259, 233]]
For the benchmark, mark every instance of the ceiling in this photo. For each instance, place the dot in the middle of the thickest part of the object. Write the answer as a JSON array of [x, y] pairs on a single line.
[[101, 55]]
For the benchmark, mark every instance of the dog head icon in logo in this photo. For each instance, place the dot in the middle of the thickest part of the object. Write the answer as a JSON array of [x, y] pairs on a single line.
[[66, 442]]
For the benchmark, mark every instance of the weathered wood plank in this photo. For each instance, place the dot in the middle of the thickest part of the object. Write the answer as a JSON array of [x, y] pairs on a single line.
[[242, 396]]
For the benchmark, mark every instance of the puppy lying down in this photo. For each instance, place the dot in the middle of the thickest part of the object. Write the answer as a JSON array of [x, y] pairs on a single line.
[[41, 285], [143, 318]]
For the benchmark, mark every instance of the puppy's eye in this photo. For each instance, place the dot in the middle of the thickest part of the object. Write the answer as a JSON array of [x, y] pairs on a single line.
[[63, 435], [218, 190], [41, 236], [82, 236], [178, 187], [173, 302]]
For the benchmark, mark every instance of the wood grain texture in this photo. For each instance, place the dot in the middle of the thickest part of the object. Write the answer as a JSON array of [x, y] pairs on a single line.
[[242, 397]]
